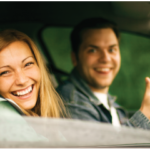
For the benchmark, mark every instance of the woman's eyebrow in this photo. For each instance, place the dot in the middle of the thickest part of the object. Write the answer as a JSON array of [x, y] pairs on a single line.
[[26, 58], [22, 62], [5, 66]]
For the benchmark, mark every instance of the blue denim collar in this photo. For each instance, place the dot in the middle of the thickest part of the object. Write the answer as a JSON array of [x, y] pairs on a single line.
[[82, 86]]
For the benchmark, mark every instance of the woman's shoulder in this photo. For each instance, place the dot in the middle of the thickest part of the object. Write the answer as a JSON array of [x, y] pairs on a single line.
[[9, 108], [14, 126]]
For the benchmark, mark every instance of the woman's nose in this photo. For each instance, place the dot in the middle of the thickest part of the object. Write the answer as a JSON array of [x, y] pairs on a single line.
[[21, 78]]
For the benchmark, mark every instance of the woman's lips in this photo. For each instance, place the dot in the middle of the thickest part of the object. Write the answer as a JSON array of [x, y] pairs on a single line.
[[23, 94]]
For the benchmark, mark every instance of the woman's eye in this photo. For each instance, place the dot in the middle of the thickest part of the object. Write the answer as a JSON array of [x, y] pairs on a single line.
[[28, 64], [3, 73]]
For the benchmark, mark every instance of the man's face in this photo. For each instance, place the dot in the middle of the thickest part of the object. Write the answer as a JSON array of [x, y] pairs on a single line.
[[98, 59]]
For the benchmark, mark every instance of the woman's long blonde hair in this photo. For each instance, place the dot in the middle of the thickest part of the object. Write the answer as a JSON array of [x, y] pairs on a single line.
[[49, 103]]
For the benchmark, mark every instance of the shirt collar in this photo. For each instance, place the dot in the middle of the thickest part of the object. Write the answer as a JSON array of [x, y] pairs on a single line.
[[82, 86], [12, 103]]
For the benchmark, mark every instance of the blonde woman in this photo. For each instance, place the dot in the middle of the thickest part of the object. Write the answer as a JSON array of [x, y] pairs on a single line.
[[24, 77]]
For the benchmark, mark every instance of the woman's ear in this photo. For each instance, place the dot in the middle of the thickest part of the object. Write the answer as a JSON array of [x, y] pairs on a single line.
[[74, 59]]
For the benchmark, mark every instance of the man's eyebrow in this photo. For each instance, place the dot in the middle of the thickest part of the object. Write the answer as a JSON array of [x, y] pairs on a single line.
[[98, 47], [113, 45], [27, 58], [93, 46]]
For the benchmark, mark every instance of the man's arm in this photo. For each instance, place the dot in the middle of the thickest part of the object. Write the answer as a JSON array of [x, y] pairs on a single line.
[[141, 118], [145, 107]]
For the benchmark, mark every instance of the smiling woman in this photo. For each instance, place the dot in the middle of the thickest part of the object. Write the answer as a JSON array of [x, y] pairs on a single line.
[[24, 77]]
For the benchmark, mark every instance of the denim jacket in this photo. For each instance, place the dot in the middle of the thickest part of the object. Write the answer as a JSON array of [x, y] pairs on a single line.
[[83, 104]]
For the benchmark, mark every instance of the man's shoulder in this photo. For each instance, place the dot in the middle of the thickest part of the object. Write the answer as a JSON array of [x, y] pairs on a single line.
[[70, 93], [66, 90], [65, 84]]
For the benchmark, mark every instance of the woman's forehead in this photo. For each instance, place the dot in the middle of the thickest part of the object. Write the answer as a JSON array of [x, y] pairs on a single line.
[[16, 47], [15, 52]]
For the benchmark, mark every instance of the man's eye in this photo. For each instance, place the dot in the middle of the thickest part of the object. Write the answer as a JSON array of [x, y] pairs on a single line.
[[92, 51], [3, 73], [112, 50], [28, 64]]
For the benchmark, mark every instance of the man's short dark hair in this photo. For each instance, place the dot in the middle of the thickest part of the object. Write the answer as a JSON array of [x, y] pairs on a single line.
[[91, 23]]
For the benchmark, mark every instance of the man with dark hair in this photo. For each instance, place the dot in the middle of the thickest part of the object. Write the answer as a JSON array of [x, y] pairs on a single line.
[[96, 59], [92, 23]]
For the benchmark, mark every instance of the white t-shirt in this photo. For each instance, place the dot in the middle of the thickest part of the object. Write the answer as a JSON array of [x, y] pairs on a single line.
[[103, 99]]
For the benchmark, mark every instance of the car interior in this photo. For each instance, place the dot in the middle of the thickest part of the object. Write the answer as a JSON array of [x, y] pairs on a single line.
[[49, 24]]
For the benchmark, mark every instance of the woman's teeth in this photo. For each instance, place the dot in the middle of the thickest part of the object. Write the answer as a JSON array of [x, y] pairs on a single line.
[[24, 92]]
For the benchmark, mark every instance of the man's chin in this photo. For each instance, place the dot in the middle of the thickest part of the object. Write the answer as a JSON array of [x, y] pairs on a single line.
[[99, 84], [102, 85], [99, 88]]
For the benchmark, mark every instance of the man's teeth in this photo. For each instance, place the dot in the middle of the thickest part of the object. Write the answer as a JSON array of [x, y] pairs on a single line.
[[24, 92], [103, 69]]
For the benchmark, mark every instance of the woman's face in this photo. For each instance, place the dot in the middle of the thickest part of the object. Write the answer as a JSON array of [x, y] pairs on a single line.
[[19, 75]]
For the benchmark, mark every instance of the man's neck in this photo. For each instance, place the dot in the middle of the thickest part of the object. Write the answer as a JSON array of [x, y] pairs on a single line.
[[100, 90], [103, 90]]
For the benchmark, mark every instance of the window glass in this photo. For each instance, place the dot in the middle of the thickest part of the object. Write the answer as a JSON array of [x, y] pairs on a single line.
[[58, 44], [129, 85], [130, 81]]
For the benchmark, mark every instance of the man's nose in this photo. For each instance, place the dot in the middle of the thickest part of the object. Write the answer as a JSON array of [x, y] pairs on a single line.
[[21, 78], [104, 56]]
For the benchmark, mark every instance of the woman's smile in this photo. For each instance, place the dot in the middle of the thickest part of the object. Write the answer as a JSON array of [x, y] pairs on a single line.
[[25, 93], [19, 76], [24, 77]]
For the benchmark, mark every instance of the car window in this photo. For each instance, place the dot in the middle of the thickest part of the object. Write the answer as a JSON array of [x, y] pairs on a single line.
[[36, 132], [129, 85], [130, 81], [58, 45]]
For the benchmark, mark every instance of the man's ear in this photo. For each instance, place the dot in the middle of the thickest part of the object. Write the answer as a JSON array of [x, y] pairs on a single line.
[[74, 59]]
